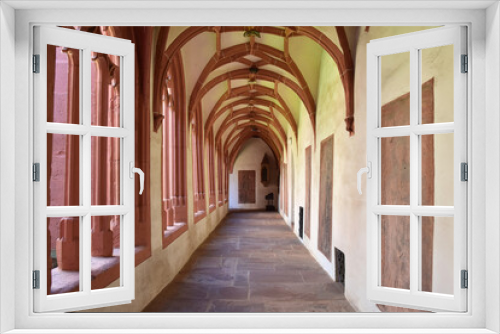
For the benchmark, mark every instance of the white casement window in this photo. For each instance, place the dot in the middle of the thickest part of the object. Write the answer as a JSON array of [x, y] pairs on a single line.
[[417, 160], [20, 119], [82, 210]]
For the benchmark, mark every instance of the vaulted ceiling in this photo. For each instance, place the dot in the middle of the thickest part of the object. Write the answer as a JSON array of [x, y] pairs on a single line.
[[254, 81]]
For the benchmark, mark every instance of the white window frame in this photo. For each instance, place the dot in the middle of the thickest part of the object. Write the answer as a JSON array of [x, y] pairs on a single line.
[[484, 146], [413, 43], [86, 43]]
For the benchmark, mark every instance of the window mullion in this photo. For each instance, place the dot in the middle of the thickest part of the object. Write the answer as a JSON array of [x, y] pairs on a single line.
[[85, 166], [414, 166]]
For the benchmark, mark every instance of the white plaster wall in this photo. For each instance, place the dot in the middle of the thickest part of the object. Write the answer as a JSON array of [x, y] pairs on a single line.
[[349, 208], [250, 158], [349, 212]]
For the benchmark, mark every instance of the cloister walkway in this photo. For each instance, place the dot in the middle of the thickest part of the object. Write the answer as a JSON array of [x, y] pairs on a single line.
[[252, 263]]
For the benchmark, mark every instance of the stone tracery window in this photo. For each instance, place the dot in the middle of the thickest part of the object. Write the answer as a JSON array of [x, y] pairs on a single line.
[[220, 175], [174, 209], [198, 175], [211, 170]]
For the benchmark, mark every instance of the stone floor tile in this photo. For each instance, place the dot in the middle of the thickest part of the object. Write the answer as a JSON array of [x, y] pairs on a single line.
[[275, 277], [252, 262], [256, 266], [228, 293], [241, 278]]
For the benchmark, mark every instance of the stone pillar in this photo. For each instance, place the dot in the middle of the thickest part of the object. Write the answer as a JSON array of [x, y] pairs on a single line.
[[51, 64], [167, 213], [170, 213], [179, 154], [194, 167], [164, 215], [115, 229], [211, 161], [49, 260], [72, 175], [68, 244], [143, 40], [102, 236], [168, 160]]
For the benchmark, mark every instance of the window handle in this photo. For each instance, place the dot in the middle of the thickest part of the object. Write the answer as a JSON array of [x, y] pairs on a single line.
[[136, 170], [368, 171]]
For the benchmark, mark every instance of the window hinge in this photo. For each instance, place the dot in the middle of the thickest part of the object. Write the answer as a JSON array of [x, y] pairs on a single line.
[[36, 172], [465, 279], [465, 64], [36, 63], [464, 167], [36, 279]]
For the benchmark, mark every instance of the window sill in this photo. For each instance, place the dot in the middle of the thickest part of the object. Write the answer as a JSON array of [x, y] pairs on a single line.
[[211, 208], [142, 253], [104, 271], [173, 232], [199, 216]]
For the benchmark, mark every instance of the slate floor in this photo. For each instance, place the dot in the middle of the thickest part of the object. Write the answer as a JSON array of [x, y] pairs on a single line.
[[252, 263]]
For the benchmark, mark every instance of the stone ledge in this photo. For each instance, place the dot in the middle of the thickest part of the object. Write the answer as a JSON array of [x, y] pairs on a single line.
[[199, 216], [104, 271], [211, 208], [173, 232]]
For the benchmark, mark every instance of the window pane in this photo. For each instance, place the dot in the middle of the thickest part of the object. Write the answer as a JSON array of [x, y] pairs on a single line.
[[437, 254], [105, 261], [395, 171], [395, 251], [437, 90], [63, 170], [105, 171], [437, 169], [63, 255], [395, 88], [63, 85], [105, 90]]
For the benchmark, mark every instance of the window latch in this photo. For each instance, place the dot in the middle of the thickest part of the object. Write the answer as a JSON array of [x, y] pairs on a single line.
[[368, 171], [133, 170]]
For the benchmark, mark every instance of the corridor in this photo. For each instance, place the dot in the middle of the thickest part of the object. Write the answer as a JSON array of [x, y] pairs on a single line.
[[252, 262]]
